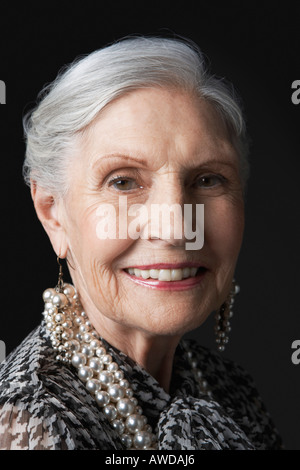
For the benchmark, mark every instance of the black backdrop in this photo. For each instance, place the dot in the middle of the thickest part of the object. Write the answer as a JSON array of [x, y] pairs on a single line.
[[255, 45]]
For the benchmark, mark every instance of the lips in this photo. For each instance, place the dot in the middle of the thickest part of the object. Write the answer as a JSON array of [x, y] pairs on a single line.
[[176, 277]]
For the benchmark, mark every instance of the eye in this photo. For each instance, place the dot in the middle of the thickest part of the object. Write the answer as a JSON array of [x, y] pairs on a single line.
[[209, 181], [123, 183]]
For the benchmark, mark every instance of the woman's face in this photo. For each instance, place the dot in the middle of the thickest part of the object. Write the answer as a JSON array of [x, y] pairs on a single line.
[[150, 147]]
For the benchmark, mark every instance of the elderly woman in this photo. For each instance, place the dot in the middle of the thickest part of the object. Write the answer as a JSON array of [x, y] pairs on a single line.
[[124, 130]]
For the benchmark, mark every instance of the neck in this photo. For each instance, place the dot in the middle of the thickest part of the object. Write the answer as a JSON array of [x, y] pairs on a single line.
[[154, 354]]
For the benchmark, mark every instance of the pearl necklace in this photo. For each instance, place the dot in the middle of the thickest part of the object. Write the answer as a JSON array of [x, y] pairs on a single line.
[[77, 343]]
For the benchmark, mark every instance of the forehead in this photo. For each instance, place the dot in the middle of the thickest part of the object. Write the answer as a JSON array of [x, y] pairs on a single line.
[[165, 122]]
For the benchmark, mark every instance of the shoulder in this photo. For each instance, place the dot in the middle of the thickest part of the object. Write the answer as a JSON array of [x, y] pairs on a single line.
[[235, 390], [220, 371], [21, 393], [43, 405], [18, 373], [31, 371]]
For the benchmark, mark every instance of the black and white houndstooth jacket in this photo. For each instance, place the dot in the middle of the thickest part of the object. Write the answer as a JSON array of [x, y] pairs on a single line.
[[43, 404]]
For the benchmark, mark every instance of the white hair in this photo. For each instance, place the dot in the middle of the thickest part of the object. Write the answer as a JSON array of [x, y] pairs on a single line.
[[82, 89]]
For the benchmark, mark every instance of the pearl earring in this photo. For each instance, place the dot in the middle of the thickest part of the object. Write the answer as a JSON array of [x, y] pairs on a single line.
[[59, 302], [223, 316]]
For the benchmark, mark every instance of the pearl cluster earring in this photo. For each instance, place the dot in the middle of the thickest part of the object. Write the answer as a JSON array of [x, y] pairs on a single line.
[[223, 316]]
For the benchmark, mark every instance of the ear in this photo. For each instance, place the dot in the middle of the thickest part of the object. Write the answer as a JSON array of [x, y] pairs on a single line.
[[49, 211]]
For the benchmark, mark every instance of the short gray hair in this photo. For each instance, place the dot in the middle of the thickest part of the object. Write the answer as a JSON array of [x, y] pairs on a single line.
[[82, 89]]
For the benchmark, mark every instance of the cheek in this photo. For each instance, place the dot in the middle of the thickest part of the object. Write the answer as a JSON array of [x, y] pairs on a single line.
[[96, 250], [96, 260], [97, 247]]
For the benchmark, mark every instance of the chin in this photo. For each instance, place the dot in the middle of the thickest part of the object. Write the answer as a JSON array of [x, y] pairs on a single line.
[[173, 326]]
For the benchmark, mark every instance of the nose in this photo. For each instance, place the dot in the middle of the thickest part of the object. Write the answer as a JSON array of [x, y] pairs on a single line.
[[165, 224]]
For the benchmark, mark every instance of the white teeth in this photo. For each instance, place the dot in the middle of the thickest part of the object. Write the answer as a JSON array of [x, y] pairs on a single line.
[[145, 274], [154, 273], [186, 272], [176, 274], [163, 274]]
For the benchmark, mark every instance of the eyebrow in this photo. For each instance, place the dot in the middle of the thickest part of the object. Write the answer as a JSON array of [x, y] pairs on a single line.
[[143, 162], [121, 157], [215, 161]]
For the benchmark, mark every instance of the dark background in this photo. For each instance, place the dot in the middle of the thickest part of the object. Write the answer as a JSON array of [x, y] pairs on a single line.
[[256, 46]]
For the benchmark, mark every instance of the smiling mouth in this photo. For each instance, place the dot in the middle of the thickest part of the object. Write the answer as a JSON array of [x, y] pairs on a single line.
[[166, 275]]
